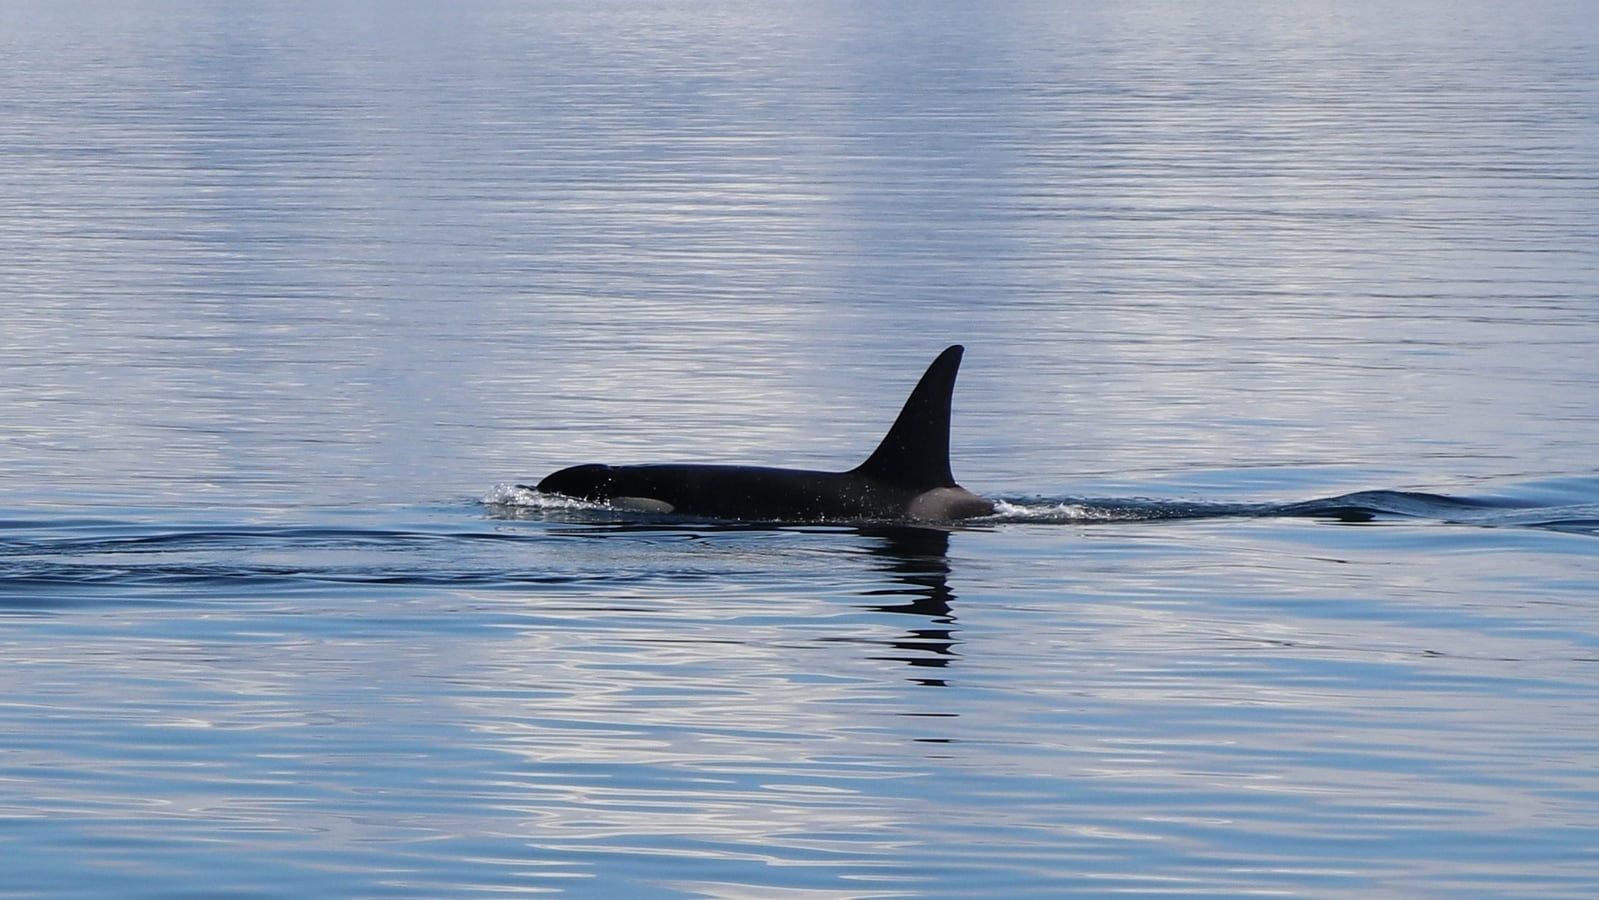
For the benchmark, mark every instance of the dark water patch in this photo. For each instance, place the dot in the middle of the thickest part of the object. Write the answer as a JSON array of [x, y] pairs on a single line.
[[45, 565], [1366, 506]]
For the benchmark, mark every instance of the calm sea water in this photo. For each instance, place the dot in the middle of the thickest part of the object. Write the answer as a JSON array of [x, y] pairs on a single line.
[[292, 294]]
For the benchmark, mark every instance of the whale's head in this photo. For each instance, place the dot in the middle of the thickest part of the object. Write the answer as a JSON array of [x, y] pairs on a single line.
[[592, 481]]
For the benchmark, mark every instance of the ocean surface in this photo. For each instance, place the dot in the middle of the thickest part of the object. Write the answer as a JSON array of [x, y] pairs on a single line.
[[1282, 330]]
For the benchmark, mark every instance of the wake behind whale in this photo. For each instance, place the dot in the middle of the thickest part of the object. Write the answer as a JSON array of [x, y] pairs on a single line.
[[1352, 508]]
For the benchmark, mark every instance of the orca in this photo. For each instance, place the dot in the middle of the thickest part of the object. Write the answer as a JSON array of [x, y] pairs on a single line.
[[906, 478]]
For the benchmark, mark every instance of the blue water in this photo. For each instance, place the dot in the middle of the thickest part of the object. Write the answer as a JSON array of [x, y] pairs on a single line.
[[1280, 331]]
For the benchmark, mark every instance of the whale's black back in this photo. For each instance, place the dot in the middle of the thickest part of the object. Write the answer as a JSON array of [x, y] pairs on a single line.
[[907, 476]]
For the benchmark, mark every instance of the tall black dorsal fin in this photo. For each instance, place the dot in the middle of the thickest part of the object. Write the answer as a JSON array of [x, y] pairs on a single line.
[[915, 452]]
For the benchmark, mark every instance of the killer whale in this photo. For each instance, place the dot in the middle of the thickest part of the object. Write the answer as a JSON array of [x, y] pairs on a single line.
[[907, 477]]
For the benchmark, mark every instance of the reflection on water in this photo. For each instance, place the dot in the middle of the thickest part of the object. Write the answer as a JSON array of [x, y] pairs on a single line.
[[916, 559]]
